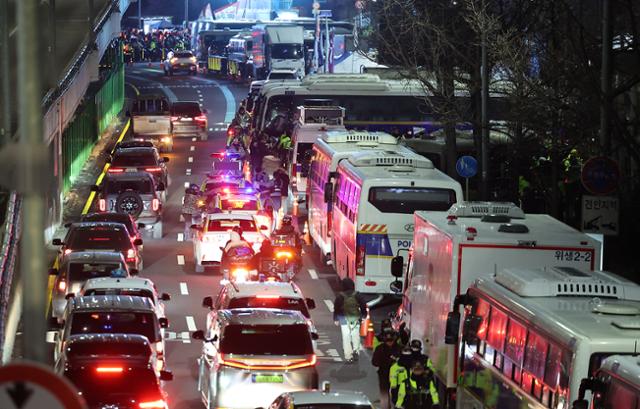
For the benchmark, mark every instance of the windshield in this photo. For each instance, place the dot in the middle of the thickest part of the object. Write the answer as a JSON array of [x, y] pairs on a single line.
[[150, 106], [282, 303], [111, 217], [225, 225], [137, 384], [238, 204], [119, 186], [409, 200], [134, 159], [138, 292], [85, 271], [183, 54], [99, 238], [282, 76], [303, 157], [267, 340], [185, 109], [286, 51], [116, 322]]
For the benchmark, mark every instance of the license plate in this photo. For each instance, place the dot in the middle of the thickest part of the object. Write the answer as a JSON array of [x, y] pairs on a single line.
[[186, 119], [267, 378], [131, 170]]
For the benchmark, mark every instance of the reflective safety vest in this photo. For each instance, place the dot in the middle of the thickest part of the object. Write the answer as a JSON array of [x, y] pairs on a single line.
[[417, 398], [284, 142], [397, 375]]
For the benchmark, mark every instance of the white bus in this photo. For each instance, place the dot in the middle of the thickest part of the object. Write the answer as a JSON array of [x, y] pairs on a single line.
[[327, 153], [531, 335], [615, 385], [375, 196]]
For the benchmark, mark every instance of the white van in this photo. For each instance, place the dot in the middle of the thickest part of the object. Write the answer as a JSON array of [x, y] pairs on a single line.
[[531, 335], [375, 196], [313, 123], [474, 240], [327, 153]]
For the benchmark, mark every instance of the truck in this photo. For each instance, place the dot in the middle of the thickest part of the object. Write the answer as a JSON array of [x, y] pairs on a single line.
[[151, 120], [473, 240], [277, 47]]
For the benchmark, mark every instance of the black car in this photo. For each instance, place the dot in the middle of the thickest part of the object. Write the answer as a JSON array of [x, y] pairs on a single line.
[[147, 159]]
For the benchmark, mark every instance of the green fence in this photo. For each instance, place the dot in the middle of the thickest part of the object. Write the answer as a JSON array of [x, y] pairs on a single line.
[[77, 141], [110, 98]]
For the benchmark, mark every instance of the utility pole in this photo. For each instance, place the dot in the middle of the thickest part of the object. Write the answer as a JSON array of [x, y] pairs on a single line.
[[5, 73], [605, 80], [140, 15], [186, 13], [326, 44], [31, 165], [484, 74]]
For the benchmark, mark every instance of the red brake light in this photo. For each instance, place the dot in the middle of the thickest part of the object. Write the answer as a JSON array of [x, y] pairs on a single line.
[[360, 255], [230, 132], [175, 118], [155, 205], [153, 169], [102, 205], [201, 118], [284, 254], [62, 285], [131, 256], [109, 369], [156, 404], [268, 296], [116, 170]]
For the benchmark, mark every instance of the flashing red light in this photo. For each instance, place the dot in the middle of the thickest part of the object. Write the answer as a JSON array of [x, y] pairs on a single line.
[[267, 296], [156, 404], [230, 132], [201, 118], [360, 255], [116, 170], [472, 232], [109, 369], [131, 256], [102, 205], [284, 254], [62, 285], [175, 118], [153, 169], [155, 205]]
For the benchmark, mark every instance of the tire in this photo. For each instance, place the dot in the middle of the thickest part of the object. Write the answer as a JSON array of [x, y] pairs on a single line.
[[199, 268], [130, 203]]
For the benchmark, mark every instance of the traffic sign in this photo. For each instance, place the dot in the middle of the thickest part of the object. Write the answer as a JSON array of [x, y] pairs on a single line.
[[600, 215], [325, 13], [34, 386], [600, 175], [467, 166]]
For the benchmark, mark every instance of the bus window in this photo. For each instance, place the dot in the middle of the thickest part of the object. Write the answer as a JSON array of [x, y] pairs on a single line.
[[557, 368], [497, 327], [516, 338], [409, 200], [482, 310], [536, 355]]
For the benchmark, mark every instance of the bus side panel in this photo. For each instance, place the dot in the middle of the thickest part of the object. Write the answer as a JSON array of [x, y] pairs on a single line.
[[430, 294], [344, 244]]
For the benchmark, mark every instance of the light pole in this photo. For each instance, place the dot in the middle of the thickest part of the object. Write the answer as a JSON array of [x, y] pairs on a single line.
[[484, 74], [186, 13]]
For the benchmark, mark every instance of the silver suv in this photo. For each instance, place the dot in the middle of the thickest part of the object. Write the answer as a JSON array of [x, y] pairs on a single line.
[[250, 356], [133, 193]]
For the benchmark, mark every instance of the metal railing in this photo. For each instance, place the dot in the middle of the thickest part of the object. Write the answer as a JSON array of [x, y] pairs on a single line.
[[8, 252]]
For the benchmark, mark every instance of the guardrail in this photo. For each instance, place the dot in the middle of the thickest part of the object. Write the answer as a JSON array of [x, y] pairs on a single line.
[[8, 253]]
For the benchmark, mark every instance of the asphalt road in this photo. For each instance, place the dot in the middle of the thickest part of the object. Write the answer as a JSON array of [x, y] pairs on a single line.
[[169, 261]]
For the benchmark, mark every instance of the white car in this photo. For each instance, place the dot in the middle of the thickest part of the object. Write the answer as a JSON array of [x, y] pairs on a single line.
[[141, 287], [257, 294], [322, 399], [213, 233]]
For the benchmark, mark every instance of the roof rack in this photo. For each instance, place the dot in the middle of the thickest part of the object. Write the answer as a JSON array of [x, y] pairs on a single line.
[[360, 137], [382, 158], [480, 209], [329, 115], [567, 281]]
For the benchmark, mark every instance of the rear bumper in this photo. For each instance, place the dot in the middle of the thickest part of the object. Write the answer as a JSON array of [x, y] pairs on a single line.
[[375, 284], [186, 68], [188, 130]]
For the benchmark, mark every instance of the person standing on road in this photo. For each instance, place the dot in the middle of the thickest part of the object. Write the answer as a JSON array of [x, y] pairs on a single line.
[[349, 309], [383, 359], [399, 372], [418, 356], [418, 391], [190, 208]]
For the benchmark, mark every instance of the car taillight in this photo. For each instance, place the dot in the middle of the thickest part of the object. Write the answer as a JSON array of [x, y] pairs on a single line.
[[230, 132], [62, 286], [155, 404], [278, 365], [360, 254], [201, 118], [116, 170], [109, 369], [67, 251], [131, 256], [153, 169], [240, 274], [284, 254], [155, 205], [174, 60], [102, 205], [175, 118]]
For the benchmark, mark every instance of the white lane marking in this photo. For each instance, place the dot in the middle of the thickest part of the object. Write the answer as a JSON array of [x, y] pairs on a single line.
[[191, 323], [329, 303], [180, 236], [313, 274], [200, 99], [210, 129], [190, 160], [188, 172], [194, 139], [180, 260], [192, 148], [183, 289], [186, 337], [186, 184]]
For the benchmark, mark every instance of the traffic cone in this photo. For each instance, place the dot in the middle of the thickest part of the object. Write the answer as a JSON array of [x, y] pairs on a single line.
[[368, 340], [365, 326]]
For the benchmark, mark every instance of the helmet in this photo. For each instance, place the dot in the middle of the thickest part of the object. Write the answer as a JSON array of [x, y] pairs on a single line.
[[286, 221], [416, 345], [406, 350], [388, 336]]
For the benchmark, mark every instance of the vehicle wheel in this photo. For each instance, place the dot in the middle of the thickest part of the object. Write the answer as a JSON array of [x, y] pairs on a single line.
[[199, 268], [130, 203], [157, 231]]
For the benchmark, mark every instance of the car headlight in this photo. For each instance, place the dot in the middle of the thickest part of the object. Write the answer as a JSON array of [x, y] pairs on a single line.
[[166, 139]]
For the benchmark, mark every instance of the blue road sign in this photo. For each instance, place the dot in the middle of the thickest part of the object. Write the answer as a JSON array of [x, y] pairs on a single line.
[[467, 166]]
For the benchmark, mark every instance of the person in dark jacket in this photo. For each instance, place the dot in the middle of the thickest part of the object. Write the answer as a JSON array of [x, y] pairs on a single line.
[[349, 309], [383, 359]]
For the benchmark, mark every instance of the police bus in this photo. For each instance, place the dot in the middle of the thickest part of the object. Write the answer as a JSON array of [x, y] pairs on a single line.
[[328, 151], [375, 196], [615, 385], [531, 335]]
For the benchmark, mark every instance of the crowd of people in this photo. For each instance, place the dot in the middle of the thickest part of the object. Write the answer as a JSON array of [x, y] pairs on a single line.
[[154, 45]]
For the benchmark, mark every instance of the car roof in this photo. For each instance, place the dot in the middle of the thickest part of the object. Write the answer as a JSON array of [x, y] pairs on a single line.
[[112, 282], [335, 397], [250, 288], [261, 316], [94, 255], [111, 302], [129, 176]]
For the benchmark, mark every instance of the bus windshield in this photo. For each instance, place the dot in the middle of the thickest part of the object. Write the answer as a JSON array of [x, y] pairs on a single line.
[[408, 200]]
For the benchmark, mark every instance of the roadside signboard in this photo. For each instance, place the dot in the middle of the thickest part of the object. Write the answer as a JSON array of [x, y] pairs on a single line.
[[32, 386], [600, 215], [600, 175], [467, 167]]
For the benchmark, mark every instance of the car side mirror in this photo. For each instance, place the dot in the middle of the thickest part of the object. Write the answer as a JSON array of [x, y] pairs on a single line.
[[315, 336], [165, 297], [470, 328], [134, 272], [396, 287], [452, 328], [95, 188], [263, 227], [166, 376], [138, 242], [164, 323], [69, 295], [397, 265], [311, 303], [328, 192], [53, 271], [207, 302], [165, 159], [141, 225], [160, 187], [57, 242]]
